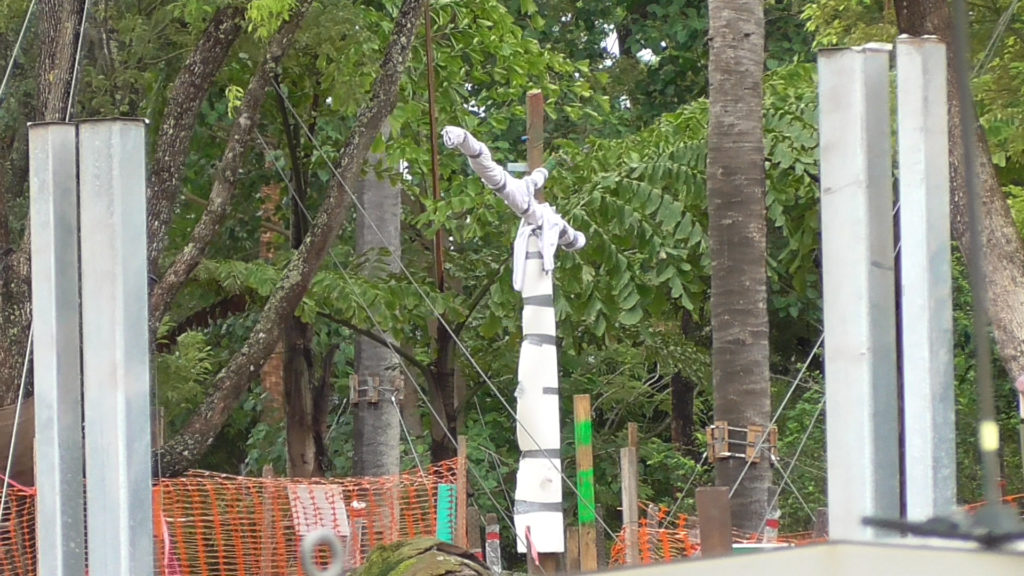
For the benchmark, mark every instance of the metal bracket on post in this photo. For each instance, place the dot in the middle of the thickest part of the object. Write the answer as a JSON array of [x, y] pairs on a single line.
[[726, 441], [370, 389]]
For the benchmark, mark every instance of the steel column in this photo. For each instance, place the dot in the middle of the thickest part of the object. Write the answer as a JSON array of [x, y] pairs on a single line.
[[115, 346], [53, 206], [926, 272], [859, 288]]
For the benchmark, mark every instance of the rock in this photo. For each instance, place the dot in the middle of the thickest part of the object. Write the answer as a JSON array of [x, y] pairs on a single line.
[[422, 557]]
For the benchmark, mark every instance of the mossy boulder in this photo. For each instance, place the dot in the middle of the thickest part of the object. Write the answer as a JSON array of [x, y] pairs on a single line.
[[421, 557]]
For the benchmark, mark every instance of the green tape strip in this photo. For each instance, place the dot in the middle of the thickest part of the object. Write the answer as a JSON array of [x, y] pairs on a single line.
[[585, 501], [584, 433], [446, 513]]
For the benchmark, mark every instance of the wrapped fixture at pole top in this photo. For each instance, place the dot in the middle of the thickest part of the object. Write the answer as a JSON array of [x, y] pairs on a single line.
[[537, 218]]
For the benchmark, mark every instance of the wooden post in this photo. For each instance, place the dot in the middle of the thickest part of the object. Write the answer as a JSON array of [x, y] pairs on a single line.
[[572, 550], [633, 435], [535, 133], [535, 159], [602, 547], [462, 498], [715, 521], [492, 546], [585, 484], [473, 532], [630, 521], [821, 523]]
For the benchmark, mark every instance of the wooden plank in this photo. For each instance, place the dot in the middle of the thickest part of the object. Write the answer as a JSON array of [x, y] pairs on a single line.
[[572, 550], [473, 532], [462, 498], [585, 483], [754, 433], [630, 504], [633, 435], [715, 519], [602, 545]]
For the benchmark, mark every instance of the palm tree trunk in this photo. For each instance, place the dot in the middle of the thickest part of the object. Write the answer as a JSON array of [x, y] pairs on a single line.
[[736, 214]]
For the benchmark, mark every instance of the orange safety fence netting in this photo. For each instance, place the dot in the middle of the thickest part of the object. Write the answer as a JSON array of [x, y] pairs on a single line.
[[664, 539], [217, 525]]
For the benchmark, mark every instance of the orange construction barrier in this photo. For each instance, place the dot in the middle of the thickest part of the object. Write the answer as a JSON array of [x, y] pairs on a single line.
[[218, 525]]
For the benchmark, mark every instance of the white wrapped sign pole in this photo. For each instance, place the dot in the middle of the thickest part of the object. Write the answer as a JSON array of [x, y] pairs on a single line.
[[538, 483]]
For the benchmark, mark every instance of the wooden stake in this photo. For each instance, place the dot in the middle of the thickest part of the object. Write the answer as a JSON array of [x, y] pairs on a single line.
[[462, 498], [633, 435], [572, 550], [715, 521], [630, 520], [585, 483], [492, 546], [821, 523], [473, 532]]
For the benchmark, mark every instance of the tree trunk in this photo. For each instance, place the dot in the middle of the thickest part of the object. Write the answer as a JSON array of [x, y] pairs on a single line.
[[377, 428], [683, 390], [305, 460], [442, 398], [736, 219], [230, 385], [1004, 249], [61, 21]]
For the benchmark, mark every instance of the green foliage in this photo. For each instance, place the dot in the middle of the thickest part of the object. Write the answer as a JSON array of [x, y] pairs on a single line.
[[265, 16]]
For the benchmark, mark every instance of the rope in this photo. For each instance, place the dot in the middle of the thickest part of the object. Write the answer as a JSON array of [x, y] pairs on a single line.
[[17, 46]]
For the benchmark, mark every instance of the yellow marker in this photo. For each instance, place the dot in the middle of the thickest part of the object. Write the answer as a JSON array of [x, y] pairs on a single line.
[[988, 436]]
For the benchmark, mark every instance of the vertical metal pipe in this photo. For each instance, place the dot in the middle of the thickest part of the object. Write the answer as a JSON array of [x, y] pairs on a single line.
[[114, 346], [927, 285], [859, 290], [53, 205]]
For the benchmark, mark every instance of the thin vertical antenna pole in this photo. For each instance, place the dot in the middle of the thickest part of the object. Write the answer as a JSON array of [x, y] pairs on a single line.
[[859, 289], [926, 275], [115, 346], [60, 508], [988, 429], [435, 168]]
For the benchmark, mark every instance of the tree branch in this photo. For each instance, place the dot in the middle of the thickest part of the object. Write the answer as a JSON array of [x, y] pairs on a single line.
[[383, 341], [183, 103], [230, 385], [228, 172]]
